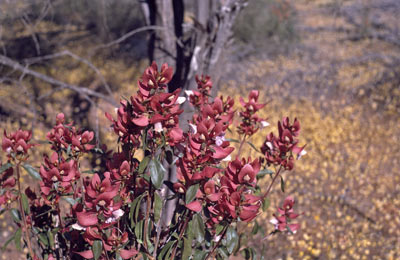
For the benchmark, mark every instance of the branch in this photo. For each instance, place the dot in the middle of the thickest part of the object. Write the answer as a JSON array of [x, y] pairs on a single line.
[[133, 32], [76, 57], [81, 90]]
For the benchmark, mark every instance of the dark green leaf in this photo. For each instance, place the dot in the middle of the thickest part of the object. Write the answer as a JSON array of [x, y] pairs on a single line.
[[232, 239], [16, 215], [255, 229], [166, 250], [157, 172], [50, 237], [158, 203], [223, 252], [198, 228], [199, 255], [32, 171], [265, 204], [264, 172], [43, 239], [25, 203], [17, 239], [282, 184], [143, 164], [191, 193], [97, 248], [5, 167]]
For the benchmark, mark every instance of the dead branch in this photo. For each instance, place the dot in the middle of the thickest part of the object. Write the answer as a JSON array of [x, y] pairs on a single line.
[[130, 34], [76, 57], [85, 92]]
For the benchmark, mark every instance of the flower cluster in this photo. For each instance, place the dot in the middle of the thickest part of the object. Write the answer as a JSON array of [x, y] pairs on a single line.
[[151, 107], [16, 144], [65, 136], [282, 150], [250, 121], [285, 216]]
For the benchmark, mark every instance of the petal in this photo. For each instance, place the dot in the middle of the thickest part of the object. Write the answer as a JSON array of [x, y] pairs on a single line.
[[126, 254], [140, 121], [194, 205], [86, 219]]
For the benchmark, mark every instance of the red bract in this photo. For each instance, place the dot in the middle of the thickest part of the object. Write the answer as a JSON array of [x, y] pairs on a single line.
[[286, 215], [67, 137], [16, 142], [281, 150], [250, 121]]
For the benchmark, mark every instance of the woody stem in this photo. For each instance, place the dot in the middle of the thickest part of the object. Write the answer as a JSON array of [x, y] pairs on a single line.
[[272, 182], [241, 145]]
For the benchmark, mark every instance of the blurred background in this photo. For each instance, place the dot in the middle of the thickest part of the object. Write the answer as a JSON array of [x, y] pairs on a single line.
[[333, 64]]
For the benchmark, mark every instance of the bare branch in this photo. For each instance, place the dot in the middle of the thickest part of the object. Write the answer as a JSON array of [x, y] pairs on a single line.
[[76, 57], [133, 32], [81, 90]]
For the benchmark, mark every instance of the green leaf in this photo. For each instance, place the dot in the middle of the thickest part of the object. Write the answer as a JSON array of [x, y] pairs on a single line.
[[157, 172], [199, 255], [89, 171], [32, 171], [97, 248], [253, 146], [255, 229], [187, 248], [198, 228], [5, 167], [143, 164], [191, 193], [16, 215], [137, 209], [265, 204], [232, 239], [43, 239], [264, 172], [166, 250], [17, 239], [232, 140], [219, 229], [50, 237], [222, 251], [25, 203], [158, 203], [139, 231], [282, 184]]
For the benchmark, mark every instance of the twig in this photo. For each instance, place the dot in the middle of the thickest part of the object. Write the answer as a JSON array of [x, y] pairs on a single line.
[[272, 182]]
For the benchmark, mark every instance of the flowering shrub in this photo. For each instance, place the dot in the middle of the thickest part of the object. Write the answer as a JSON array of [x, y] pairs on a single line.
[[120, 213]]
